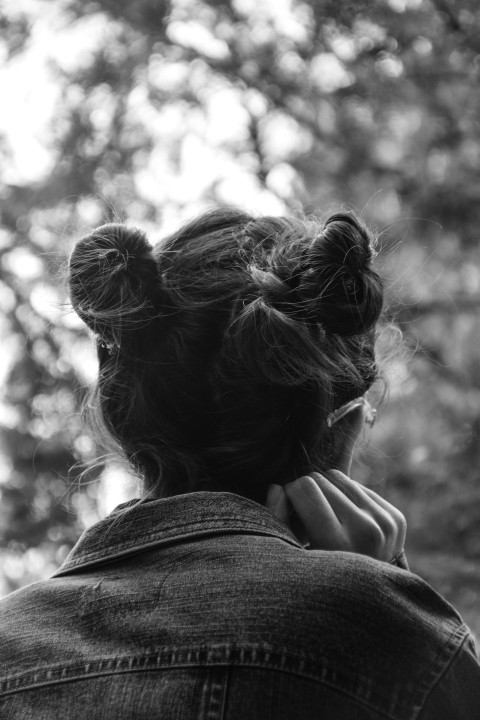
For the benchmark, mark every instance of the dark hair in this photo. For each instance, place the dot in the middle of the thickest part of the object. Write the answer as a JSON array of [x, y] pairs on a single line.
[[223, 349]]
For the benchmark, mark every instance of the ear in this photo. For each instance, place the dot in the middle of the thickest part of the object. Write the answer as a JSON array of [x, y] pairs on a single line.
[[346, 434]]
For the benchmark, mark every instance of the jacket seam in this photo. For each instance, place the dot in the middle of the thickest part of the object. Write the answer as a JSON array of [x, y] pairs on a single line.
[[231, 665], [225, 692]]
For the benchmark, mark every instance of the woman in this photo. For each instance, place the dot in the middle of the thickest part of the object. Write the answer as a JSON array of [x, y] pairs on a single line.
[[253, 578]]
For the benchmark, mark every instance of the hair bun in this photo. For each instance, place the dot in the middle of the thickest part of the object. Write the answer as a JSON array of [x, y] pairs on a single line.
[[339, 287], [114, 280]]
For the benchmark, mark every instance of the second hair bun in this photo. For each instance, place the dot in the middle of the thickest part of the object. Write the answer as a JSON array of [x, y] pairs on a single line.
[[340, 288]]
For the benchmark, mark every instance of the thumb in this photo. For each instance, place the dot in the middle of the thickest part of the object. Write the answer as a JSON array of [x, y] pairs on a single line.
[[277, 503]]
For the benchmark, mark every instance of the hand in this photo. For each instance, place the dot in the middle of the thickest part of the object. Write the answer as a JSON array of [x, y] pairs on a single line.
[[339, 514]]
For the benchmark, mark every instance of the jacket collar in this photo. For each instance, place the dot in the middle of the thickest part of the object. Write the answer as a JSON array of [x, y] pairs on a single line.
[[138, 524]]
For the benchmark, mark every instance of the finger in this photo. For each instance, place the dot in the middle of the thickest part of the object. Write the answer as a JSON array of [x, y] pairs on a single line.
[[342, 494], [360, 516], [359, 494], [323, 527], [277, 503], [388, 517], [397, 514], [349, 487], [381, 501]]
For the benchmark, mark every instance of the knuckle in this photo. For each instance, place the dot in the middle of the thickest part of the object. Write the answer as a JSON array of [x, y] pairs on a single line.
[[390, 525], [400, 522], [373, 535], [398, 515]]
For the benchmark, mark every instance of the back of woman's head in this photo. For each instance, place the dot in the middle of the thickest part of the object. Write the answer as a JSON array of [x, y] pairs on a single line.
[[223, 349]]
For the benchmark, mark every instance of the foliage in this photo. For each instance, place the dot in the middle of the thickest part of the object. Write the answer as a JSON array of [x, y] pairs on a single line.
[[148, 112]]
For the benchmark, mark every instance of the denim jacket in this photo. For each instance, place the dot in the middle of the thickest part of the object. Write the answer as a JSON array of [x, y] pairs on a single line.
[[206, 606]]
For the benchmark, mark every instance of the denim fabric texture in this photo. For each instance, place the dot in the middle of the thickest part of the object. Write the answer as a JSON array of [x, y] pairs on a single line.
[[205, 606]]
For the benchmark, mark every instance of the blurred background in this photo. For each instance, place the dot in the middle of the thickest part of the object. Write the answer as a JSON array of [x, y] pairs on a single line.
[[151, 111]]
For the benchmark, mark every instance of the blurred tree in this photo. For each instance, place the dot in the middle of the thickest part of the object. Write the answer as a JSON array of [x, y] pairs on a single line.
[[147, 112]]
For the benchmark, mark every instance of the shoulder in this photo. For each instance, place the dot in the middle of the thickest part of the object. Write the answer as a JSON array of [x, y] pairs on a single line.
[[331, 594], [384, 625], [380, 594], [370, 629]]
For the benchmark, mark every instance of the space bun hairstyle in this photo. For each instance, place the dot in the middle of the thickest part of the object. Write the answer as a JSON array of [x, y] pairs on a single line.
[[223, 349], [115, 286], [343, 291]]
